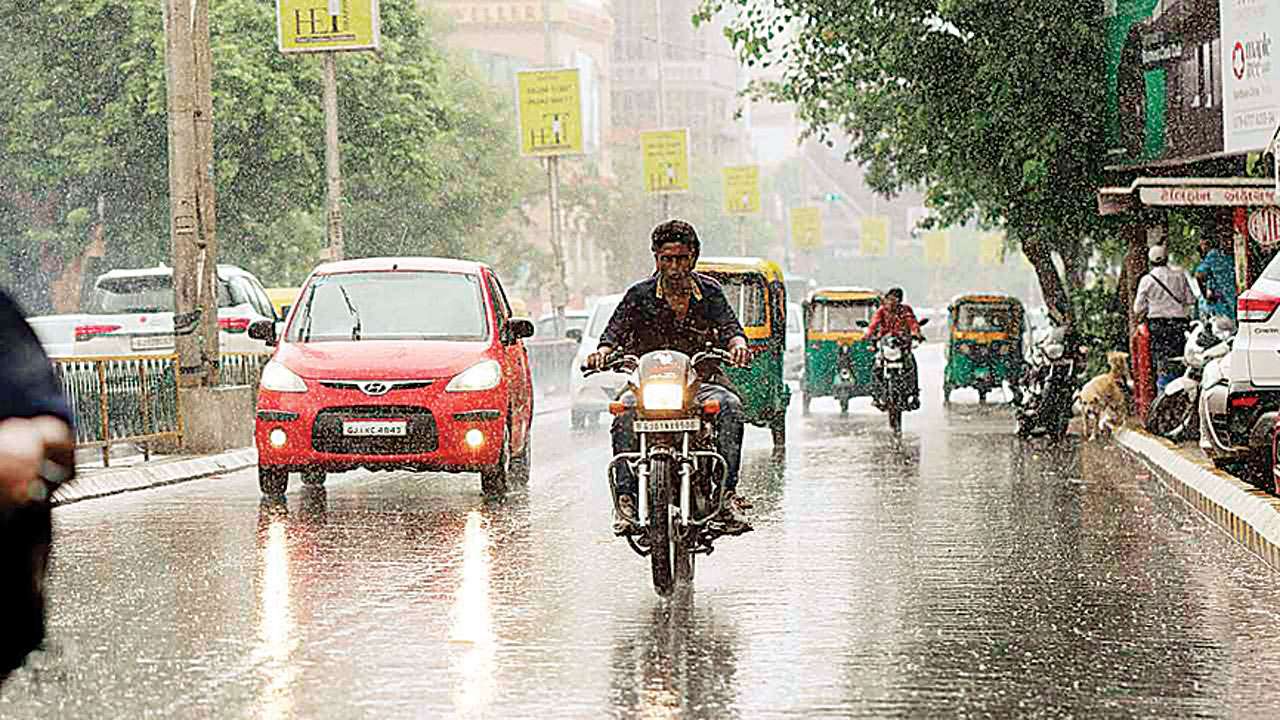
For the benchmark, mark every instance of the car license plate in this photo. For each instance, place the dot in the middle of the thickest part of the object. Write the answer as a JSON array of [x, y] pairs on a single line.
[[651, 426], [151, 342], [375, 428]]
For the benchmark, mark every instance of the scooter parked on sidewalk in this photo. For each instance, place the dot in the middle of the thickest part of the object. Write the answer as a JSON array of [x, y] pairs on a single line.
[[1057, 360], [1174, 413]]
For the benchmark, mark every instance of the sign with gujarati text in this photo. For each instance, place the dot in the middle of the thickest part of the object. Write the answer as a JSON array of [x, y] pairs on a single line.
[[875, 236], [937, 248], [549, 107], [1207, 195], [806, 228], [742, 189], [666, 160], [327, 25]]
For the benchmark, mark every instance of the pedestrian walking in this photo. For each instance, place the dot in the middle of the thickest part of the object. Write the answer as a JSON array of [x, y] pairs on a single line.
[[1164, 302]]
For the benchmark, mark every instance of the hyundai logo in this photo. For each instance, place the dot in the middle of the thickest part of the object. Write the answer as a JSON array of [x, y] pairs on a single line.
[[375, 388]]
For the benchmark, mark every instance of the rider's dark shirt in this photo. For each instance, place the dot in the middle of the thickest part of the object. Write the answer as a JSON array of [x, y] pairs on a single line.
[[644, 321]]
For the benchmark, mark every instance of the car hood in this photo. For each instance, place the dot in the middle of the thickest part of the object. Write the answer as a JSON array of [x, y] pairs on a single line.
[[380, 359]]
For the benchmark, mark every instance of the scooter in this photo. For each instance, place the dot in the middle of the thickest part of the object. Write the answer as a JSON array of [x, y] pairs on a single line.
[[1173, 414], [1052, 378]]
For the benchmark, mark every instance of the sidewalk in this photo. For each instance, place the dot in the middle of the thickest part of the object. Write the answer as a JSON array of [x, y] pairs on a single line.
[[132, 472], [1248, 514]]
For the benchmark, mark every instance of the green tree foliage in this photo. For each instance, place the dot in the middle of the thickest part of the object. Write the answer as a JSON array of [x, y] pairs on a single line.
[[993, 107], [427, 158]]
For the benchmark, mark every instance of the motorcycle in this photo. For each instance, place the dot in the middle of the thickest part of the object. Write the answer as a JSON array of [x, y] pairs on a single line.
[[1173, 414], [1052, 378], [680, 475], [893, 366]]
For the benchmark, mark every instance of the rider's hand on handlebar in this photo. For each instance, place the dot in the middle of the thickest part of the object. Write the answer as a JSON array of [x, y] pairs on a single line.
[[24, 445], [739, 354], [597, 359]]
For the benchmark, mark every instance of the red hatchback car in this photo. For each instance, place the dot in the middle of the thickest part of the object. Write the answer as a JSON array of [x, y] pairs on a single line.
[[396, 363]]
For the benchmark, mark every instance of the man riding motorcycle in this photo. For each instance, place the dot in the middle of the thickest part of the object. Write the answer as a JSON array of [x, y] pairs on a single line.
[[678, 309], [895, 318]]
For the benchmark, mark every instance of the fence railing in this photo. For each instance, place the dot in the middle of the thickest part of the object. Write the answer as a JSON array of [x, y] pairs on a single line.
[[550, 362], [241, 368], [131, 398]]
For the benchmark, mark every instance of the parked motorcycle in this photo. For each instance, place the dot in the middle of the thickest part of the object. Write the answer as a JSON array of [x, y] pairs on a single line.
[[1053, 374], [680, 475], [1173, 414]]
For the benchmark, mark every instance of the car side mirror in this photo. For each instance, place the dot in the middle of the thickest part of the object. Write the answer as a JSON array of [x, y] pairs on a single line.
[[518, 329], [264, 330], [574, 334]]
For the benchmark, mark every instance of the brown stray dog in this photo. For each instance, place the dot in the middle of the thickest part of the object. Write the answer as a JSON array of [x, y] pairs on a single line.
[[1104, 400]]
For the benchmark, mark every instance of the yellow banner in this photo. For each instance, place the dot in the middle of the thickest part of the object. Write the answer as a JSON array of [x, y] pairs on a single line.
[[666, 160], [991, 248], [875, 235], [742, 189], [937, 248], [550, 112], [327, 25], [806, 228]]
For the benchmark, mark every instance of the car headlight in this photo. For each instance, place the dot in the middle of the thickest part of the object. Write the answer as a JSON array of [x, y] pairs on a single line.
[[278, 378], [484, 375], [663, 396]]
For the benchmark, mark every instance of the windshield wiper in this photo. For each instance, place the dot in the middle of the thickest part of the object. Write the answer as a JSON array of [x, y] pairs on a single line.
[[355, 329]]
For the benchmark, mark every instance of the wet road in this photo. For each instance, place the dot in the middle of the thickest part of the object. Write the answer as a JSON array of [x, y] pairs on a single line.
[[967, 574]]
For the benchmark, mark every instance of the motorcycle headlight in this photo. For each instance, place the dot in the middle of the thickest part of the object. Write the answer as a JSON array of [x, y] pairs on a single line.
[[278, 378], [1054, 351], [663, 396], [484, 375], [892, 354]]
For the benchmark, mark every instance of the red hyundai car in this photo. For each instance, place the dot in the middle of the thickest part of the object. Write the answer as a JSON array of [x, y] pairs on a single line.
[[396, 363]]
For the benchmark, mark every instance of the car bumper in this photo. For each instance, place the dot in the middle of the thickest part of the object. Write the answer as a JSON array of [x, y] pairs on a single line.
[[438, 424]]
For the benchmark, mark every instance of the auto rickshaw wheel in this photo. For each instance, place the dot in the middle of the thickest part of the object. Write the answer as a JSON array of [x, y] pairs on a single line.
[[982, 397], [946, 394], [844, 406]]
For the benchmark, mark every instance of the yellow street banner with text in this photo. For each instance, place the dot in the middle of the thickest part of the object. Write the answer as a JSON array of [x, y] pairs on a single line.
[[742, 189], [937, 248], [327, 25], [806, 228], [875, 236], [991, 248], [549, 108], [666, 160]]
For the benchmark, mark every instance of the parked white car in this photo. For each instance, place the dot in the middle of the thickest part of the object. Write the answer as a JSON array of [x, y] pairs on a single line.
[[793, 355], [591, 395], [130, 312]]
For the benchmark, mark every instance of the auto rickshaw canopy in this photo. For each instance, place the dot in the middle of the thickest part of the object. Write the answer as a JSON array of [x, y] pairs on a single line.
[[985, 317], [749, 284]]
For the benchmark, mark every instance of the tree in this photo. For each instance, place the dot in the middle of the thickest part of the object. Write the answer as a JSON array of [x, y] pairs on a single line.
[[427, 162], [995, 108]]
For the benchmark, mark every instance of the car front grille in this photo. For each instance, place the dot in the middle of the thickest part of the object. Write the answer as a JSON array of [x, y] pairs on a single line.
[[327, 437]]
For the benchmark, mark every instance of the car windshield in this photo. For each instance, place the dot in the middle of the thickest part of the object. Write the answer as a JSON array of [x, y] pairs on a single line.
[[746, 296], [985, 318], [389, 306], [842, 317], [547, 325], [600, 318], [140, 293]]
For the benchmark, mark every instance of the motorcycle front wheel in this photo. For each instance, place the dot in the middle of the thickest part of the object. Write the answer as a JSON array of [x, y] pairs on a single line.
[[668, 554], [1167, 415]]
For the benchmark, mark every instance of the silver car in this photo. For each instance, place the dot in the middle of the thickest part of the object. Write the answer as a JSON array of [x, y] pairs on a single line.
[[591, 395]]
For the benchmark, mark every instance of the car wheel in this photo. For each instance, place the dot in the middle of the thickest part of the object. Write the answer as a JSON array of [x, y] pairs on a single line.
[[493, 481], [313, 477], [520, 464], [272, 481]]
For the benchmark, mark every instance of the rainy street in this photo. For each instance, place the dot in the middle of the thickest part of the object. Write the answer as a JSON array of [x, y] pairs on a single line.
[[964, 574]]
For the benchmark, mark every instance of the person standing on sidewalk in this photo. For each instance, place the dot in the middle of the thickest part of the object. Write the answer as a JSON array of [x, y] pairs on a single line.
[[37, 452], [1216, 275], [1164, 301]]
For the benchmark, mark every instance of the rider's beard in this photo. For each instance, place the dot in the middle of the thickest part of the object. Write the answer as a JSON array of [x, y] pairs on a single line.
[[677, 282]]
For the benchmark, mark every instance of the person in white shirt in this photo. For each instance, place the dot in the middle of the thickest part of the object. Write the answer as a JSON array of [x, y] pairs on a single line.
[[1164, 302]]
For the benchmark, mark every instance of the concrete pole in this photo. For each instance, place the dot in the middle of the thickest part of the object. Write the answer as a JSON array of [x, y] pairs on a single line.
[[188, 73], [332, 158], [662, 97]]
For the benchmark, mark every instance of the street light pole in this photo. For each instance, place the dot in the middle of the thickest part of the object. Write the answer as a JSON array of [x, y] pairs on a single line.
[[662, 98], [332, 158]]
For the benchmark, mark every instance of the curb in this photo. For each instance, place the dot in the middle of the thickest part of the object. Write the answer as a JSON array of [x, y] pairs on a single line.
[[1247, 514], [99, 483]]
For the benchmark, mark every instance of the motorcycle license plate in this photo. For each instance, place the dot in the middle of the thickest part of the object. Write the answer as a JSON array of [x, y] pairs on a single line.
[[654, 426], [894, 366], [375, 428]]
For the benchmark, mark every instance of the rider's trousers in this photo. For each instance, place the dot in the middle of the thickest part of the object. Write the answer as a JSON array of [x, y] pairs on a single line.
[[729, 424]]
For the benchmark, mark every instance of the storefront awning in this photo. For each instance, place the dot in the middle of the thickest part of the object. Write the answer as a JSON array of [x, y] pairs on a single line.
[[1185, 192]]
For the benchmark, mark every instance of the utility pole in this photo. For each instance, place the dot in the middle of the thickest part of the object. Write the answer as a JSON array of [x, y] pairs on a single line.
[[560, 287], [662, 97], [189, 99], [332, 158]]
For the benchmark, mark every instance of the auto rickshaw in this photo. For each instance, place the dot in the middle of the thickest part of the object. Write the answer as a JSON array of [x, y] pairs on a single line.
[[755, 290], [838, 361], [984, 344]]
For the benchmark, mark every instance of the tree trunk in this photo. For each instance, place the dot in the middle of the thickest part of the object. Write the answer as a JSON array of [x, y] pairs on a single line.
[[1051, 284]]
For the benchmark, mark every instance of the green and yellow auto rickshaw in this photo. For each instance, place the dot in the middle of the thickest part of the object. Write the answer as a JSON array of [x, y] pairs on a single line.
[[984, 344], [838, 361], [756, 292]]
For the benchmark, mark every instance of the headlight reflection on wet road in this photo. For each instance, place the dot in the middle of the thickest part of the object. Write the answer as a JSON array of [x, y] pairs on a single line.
[[277, 626], [472, 628]]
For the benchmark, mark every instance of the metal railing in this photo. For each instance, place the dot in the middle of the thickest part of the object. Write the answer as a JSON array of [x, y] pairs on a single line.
[[550, 362], [242, 368], [130, 398]]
